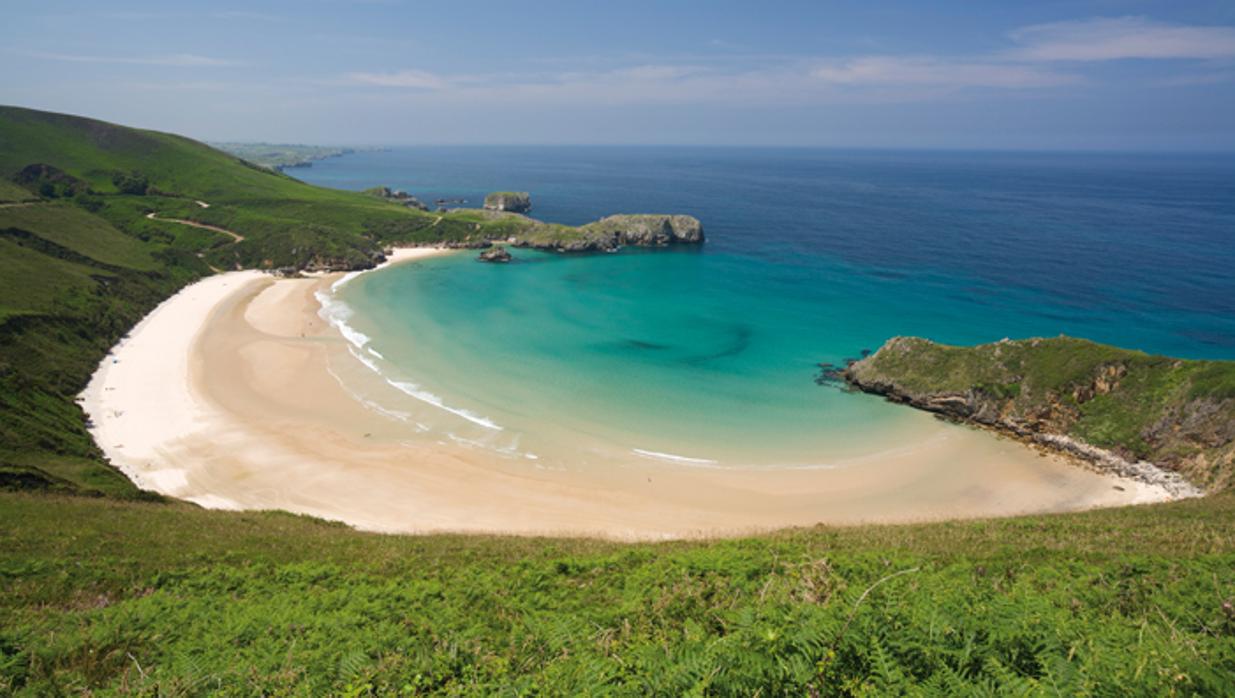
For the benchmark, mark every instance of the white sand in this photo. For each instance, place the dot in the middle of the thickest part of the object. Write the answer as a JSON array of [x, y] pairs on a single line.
[[140, 396], [224, 396]]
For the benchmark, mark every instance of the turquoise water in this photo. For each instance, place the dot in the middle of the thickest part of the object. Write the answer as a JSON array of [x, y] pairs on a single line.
[[812, 256]]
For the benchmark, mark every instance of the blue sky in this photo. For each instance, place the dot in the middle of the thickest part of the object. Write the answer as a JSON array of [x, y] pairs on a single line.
[[1098, 74]]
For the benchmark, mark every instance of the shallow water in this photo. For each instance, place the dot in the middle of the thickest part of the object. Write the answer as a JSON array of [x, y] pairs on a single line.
[[709, 355]]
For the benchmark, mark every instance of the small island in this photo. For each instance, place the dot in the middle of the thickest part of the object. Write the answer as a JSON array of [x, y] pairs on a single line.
[[513, 201], [495, 255]]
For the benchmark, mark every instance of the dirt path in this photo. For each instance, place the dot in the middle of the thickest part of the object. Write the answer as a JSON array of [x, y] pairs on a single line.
[[236, 237]]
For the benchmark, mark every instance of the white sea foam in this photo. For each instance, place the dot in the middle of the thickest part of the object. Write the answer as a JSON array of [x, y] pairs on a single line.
[[671, 457], [393, 414], [334, 288], [426, 396], [337, 313], [369, 363], [423, 395]]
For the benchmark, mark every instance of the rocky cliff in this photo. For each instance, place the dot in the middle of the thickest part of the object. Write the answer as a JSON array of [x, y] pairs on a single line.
[[1151, 417], [513, 201], [614, 232]]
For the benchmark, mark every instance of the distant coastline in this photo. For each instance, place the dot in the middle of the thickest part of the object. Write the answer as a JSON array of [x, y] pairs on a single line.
[[283, 156]]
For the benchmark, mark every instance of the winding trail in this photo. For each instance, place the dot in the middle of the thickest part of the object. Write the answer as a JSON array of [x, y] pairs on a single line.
[[236, 237]]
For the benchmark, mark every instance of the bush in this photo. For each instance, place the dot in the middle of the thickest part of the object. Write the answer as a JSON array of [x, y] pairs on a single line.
[[134, 183]]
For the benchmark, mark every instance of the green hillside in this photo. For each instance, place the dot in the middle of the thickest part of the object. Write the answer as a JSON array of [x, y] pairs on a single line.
[[107, 590], [164, 599]]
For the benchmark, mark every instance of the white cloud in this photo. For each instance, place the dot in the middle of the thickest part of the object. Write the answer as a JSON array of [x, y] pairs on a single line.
[[186, 60], [655, 72], [1028, 64], [1106, 39], [937, 72], [417, 79]]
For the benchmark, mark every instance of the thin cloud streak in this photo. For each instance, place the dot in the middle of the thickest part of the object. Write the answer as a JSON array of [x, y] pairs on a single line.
[[1039, 58], [930, 71], [415, 79], [183, 60], [1121, 38]]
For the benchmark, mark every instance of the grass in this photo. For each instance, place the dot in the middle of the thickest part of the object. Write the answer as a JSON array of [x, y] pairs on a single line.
[[10, 192], [106, 596], [30, 284], [75, 229]]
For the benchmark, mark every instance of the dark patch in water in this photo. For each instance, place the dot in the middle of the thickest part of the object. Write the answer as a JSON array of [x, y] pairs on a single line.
[[739, 344], [640, 344]]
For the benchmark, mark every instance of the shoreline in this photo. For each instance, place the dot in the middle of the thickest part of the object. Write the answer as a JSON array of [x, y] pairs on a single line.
[[228, 395]]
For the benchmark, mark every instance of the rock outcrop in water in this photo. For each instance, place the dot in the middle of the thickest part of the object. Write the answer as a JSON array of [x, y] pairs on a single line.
[[513, 201], [1153, 418], [497, 254]]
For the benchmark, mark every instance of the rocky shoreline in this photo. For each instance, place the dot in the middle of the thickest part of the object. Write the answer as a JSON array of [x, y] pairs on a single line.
[[1085, 455], [1007, 388]]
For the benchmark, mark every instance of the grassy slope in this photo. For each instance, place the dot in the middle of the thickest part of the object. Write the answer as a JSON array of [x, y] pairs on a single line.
[[1165, 410], [167, 599], [71, 227], [10, 192]]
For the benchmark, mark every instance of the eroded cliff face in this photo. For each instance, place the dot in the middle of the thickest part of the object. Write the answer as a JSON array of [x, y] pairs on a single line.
[[513, 201], [614, 232], [1121, 410], [646, 230]]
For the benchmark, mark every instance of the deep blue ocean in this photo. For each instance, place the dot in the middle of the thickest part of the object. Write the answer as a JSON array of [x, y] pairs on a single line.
[[811, 255]]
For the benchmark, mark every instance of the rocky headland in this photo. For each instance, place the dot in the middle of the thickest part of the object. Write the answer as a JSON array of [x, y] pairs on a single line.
[[614, 232], [500, 221], [513, 201], [1161, 420]]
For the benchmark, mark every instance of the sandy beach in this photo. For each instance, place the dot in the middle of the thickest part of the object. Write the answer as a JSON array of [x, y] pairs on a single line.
[[225, 396]]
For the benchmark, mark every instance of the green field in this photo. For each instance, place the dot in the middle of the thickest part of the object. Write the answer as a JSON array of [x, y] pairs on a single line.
[[108, 590]]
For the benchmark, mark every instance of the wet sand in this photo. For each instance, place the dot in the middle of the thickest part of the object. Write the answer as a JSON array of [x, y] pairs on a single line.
[[226, 396]]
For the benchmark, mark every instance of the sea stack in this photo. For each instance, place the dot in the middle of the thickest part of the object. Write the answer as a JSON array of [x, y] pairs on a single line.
[[497, 254], [513, 201]]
